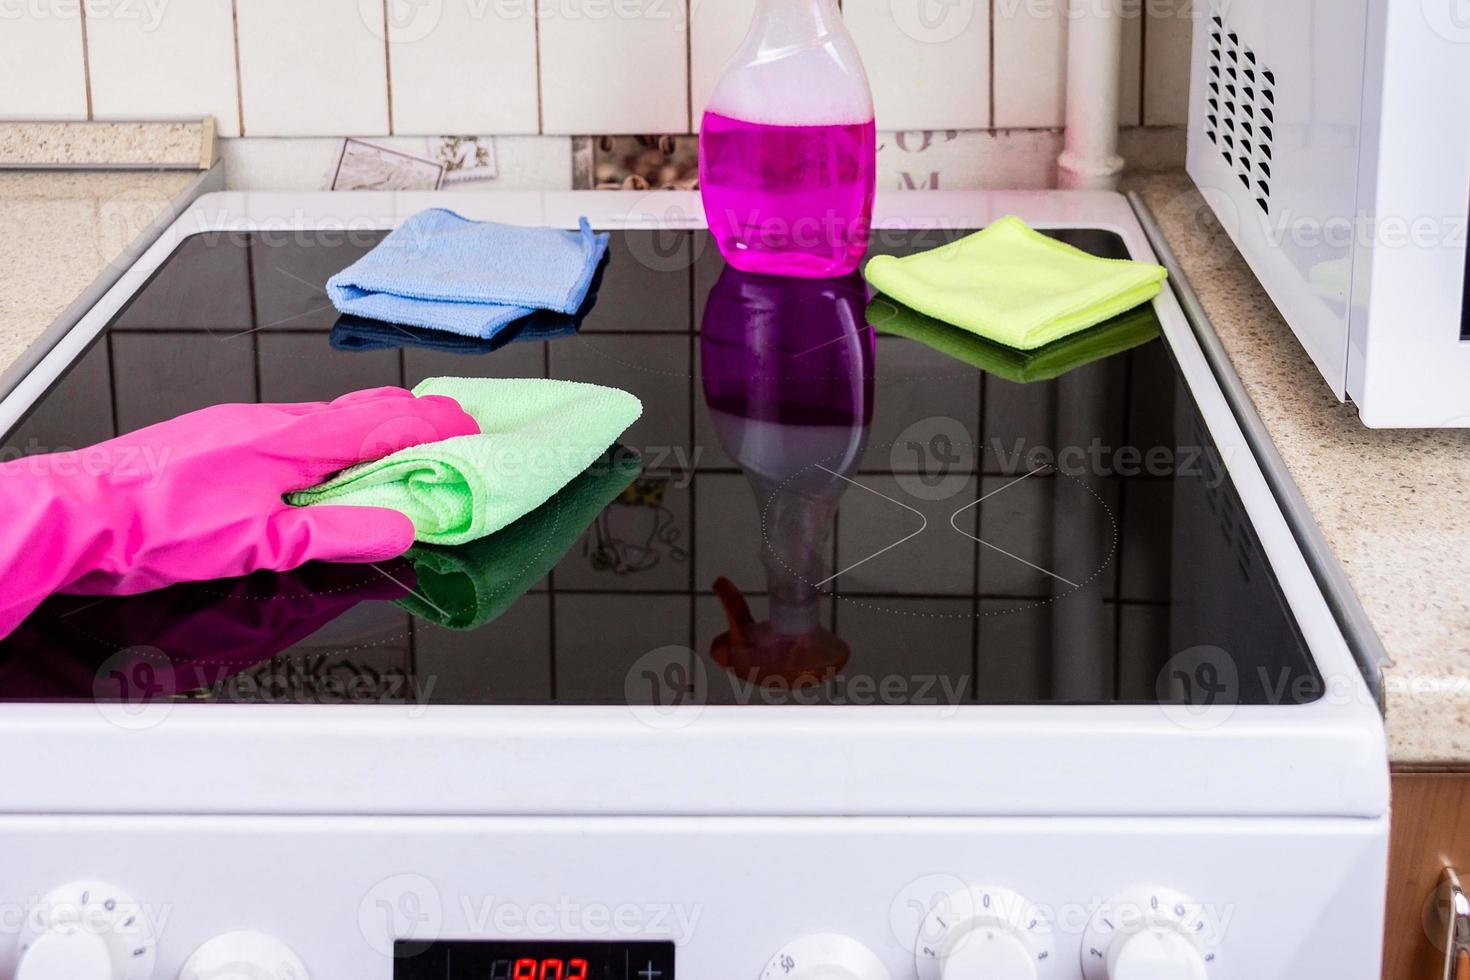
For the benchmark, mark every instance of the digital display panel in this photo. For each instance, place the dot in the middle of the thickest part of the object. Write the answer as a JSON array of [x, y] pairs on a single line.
[[533, 960]]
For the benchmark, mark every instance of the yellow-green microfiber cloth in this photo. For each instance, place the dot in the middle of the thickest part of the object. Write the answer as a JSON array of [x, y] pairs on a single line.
[[535, 436], [1015, 286], [1122, 333], [467, 587]]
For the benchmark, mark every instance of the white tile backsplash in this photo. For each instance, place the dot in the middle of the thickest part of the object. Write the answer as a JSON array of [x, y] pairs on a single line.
[[174, 59], [1030, 63], [324, 68], [316, 68], [462, 67], [968, 160], [614, 67], [928, 64], [279, 164], [540, 163], [42, 71]]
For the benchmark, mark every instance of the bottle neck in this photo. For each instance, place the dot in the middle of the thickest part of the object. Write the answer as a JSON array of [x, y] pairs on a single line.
[[781, 23]]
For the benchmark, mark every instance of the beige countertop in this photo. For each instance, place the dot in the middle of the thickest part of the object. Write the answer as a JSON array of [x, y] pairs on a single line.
[[1393, 504], [61, 230]]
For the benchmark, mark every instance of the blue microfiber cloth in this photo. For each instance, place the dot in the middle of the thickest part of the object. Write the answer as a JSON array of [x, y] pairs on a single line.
[[444, 272], [357, 333]]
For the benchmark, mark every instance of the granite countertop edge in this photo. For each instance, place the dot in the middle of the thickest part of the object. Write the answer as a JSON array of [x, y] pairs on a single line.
[[64, 234], [1393, 505]]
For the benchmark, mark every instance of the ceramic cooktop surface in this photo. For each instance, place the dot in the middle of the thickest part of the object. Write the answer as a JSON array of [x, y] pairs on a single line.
[[827, 500]]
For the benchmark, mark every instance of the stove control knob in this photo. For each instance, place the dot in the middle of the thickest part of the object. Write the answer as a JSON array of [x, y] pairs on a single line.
[[985, 933], [825, 956], [244, 955], [86, 930], [1149, 934]]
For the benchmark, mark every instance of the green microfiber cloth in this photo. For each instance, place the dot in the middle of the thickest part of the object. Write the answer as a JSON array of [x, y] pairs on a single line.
[[1015, 286], [466, 587], [535, 436], [1132, 329]]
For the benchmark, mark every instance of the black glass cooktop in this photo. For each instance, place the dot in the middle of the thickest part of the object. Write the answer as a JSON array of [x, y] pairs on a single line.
[[827, 500]]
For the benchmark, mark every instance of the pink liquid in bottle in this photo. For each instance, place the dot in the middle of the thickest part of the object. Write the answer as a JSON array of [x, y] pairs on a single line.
[[788, 200]]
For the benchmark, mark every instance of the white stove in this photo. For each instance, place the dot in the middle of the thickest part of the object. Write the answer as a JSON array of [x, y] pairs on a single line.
[[1038, 682]]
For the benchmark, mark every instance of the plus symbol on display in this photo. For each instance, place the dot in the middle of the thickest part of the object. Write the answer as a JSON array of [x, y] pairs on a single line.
[[649, 973]]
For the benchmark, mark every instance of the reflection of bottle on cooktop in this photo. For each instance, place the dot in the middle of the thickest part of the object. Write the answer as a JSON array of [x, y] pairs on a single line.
[[787, 146], [788, 377]]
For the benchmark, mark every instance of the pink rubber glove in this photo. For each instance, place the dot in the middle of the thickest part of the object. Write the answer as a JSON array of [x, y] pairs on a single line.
[[199, 497]]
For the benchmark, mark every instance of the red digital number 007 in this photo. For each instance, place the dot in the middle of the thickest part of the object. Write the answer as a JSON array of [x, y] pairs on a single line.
[[529, 969]]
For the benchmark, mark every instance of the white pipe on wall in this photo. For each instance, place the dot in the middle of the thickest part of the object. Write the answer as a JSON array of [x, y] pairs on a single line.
[[1089, 159]]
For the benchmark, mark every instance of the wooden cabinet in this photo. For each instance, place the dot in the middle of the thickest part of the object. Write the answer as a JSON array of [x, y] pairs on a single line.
[[1430, 828]]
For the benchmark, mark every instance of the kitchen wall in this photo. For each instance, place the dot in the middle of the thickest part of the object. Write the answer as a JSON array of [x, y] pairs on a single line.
[[373, 68]]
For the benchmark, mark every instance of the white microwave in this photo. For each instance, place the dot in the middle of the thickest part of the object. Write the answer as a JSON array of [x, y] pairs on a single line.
[[1332, 140]]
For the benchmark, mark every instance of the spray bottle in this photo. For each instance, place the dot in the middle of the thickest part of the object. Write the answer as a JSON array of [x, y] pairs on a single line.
[[787, 146]]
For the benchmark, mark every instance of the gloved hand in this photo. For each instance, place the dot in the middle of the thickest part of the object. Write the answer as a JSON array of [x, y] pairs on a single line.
[[200, 497]]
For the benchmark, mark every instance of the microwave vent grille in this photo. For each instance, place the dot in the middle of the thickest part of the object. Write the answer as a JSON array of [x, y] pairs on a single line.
[[1240, 108]]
